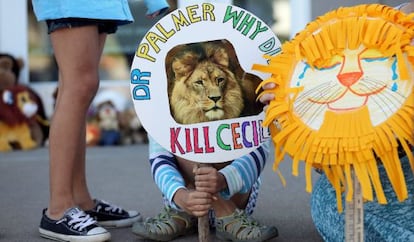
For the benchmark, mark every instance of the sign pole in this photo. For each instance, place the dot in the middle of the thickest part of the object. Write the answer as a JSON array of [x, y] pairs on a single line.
[[203, 229], [354, 215], [203, 222]]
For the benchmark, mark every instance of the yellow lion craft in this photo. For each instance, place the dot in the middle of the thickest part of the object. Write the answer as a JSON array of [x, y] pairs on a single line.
[[344, 98]]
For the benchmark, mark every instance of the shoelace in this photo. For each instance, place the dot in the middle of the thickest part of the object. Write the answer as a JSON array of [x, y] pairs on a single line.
[[246, 221], [161, 223], [164, 215], [79, 220], [111, 208]]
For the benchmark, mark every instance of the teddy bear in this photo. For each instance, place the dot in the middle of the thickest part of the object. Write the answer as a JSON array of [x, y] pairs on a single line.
[[132, 131], [38, 123]]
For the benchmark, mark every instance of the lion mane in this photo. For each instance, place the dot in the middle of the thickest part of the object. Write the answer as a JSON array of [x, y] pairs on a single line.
[[205, 83], [18, 109]]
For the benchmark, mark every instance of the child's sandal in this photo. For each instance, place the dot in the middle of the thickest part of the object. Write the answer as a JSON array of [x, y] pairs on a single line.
[[166, 226], [240, 227]]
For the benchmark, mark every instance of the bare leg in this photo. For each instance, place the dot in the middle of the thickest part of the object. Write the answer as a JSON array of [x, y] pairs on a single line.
[[77, 52], [226, 207], [80, 188]]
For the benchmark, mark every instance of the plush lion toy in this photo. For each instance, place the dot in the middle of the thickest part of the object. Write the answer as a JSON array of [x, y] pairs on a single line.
[[18, 114], [9, 74]]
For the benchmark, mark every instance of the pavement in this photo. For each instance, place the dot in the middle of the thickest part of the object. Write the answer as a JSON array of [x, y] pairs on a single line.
[[121, 174]]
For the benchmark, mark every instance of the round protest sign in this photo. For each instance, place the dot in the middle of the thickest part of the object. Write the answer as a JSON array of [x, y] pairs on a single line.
[[192, 81]]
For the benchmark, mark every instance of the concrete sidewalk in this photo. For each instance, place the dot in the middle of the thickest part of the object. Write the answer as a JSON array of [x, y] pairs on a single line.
[[121, 175]]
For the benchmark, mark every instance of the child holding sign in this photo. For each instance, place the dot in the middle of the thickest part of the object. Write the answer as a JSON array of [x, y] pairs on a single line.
[[206, 112], [229, 189]]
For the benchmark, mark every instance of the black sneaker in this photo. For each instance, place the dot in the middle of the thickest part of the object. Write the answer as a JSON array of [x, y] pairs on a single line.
[[109, 215], [75, 225]]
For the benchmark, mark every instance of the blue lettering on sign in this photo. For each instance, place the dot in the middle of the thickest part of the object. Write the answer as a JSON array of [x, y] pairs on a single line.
[[141, 90]]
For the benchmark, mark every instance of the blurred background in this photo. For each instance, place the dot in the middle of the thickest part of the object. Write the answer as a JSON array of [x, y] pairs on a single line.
[[25, 38]]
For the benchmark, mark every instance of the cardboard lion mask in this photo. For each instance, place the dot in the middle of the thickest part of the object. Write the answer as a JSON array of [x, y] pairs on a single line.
[[344, 98]]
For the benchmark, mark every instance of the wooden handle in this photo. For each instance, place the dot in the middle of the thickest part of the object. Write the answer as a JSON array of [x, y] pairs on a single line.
[[203, 229], [203, 222], [354, 215]]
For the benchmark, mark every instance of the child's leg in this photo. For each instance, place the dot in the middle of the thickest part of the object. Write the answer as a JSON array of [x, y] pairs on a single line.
[[81, 193], [80, 189], [77, 52], [224, 207]]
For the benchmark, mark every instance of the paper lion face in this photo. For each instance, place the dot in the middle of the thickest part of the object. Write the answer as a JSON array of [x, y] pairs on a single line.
[[351, 80], [344, 98]]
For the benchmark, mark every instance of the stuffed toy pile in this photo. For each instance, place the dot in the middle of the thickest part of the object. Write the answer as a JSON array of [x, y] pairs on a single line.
[[112, 120]]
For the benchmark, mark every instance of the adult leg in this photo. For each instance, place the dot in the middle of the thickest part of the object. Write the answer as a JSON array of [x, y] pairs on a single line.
[[77, 51]]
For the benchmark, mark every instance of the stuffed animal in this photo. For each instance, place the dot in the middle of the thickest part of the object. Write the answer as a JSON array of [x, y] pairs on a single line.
[[18, 114], [132, 131], [9, 70], [9, 75], [107, 119], [93, 134]]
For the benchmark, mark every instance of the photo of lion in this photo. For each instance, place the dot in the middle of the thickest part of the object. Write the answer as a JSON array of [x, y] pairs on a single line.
[[207, 83]]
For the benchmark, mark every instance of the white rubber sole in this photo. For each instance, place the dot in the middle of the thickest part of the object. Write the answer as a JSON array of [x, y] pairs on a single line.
[[120, 223], [71, 238]]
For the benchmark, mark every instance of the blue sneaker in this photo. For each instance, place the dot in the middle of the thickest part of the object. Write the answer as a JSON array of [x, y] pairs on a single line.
[[109, 215], [75, 225]]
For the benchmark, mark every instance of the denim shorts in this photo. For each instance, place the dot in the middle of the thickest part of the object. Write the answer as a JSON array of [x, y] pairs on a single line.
[[104, 26]]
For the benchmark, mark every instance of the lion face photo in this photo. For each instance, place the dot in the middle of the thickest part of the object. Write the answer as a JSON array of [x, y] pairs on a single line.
[[206, 83]]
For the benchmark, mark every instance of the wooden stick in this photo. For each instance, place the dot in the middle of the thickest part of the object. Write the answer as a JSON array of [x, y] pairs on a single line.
[[354, 215], [203, 222], [203, 229]]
